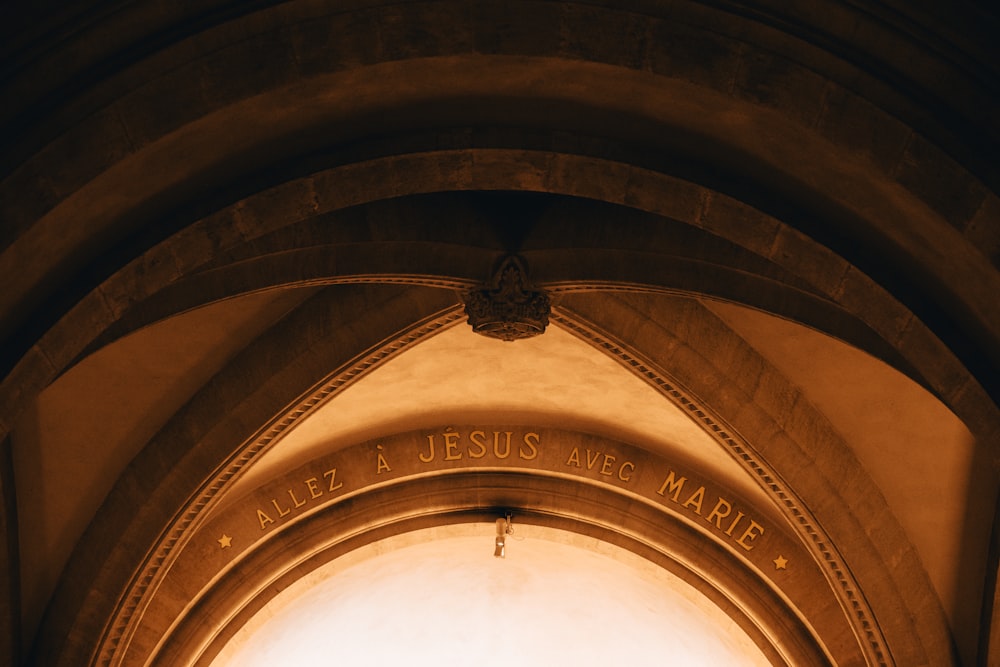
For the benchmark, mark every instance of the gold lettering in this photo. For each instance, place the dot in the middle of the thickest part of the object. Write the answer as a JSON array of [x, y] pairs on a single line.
[[750, 534], [672, 485], [496, 445], [281, 513], [574, 458], [314, 491], [621, 471], [531, 440], [608, 462], [334, 484], [295, 501], [478, 438], [451, 452], [430, 456], [739, 515], [696, 499], [717, 514], [592, 461], [264, 519]]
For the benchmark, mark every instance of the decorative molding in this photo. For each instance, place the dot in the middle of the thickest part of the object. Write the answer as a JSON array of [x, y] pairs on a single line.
[[123, 624], [508, 308], [842, 581], [118, 632]]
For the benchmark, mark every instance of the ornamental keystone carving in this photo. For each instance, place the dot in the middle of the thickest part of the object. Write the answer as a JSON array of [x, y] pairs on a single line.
[[508, 308]]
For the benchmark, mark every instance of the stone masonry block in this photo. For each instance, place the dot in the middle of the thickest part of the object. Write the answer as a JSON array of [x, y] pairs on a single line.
[[25, 195], [984, 229], [512, 170], [26, 380], [857, 125], [76, 329], [336, 42], [664, 195], [523, 28], [776, 82], [595, 33], [84, 152], [163, 104], [741, 224], [278, 206], [200, 243], [693, 54], [808, 259], [270, 56], [872, 304], [595, 178], [420, 30], [776, 396], [142, 277], [939, 365], [933, 176]]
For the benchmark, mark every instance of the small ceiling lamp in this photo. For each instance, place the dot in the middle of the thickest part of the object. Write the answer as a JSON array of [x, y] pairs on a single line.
[[508, 308], [503, 530]]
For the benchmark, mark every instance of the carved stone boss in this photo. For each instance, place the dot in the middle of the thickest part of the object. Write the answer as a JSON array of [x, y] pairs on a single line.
[[508, 309]]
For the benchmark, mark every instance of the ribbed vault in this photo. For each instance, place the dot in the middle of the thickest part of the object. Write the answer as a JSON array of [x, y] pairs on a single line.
[[219, 221]]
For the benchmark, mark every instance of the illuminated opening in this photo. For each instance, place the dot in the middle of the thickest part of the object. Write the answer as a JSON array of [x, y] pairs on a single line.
[[440, 597]]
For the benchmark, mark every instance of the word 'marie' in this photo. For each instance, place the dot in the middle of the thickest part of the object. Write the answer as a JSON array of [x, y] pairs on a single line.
[[720, 516]]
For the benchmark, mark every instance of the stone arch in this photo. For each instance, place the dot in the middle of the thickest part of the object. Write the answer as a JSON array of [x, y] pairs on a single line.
[[850, 187], [856, 183], [172, 508], [591, 512]]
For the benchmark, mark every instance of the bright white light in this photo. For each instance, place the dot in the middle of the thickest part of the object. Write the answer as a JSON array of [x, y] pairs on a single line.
[[439, 597]]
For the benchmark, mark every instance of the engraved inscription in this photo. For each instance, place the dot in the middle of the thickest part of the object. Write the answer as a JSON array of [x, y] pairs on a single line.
[[297, 497], [454, 446], [719, 516], [605, 464]]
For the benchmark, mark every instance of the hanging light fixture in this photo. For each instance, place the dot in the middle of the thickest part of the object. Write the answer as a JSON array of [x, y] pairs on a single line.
[[503, 530]]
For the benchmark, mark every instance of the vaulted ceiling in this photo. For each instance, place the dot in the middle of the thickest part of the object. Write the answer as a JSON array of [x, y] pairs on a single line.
[[237, 239]]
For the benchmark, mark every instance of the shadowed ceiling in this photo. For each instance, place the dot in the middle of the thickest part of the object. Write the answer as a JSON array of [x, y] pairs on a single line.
[[236, 239]]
